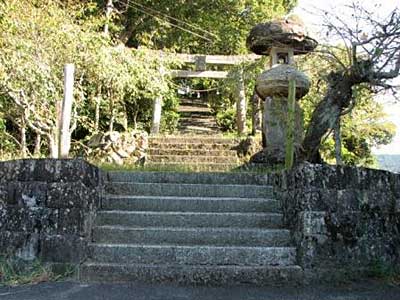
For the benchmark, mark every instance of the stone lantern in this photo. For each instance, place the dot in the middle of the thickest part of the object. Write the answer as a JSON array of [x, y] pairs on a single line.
[[281, 40]]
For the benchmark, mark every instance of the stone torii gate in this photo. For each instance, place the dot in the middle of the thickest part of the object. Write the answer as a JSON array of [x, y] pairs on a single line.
[[201, 62]]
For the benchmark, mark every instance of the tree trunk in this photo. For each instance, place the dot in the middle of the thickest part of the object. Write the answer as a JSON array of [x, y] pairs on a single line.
[[112, 112], [325, 116], [338, 143], [109, 9], [241, 105], [256, 113], [97, 115], [38, 144], [53, 146], [23, 143]]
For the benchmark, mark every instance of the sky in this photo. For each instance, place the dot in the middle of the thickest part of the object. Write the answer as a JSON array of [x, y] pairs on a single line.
[[312, 21]]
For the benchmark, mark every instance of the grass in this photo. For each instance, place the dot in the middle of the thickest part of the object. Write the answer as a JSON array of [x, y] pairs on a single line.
[[382, 270], [14, 272]]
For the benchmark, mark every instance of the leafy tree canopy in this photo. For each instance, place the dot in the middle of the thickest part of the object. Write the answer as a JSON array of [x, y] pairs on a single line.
[[222, 24]]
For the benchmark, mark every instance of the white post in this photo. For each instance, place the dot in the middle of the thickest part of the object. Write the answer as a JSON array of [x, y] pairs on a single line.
[[157, 107], [109, 9], [241, 105], [65, 118]]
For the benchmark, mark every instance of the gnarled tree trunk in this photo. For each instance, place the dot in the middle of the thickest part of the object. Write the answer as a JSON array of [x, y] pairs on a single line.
[[337, 99]]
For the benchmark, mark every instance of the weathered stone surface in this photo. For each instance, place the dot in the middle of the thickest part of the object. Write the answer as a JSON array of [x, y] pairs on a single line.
[[11, 241], [275, 82], [10, 171], [342, 218], [71, 221], [63, 248], [68, 195], [30, 194], [275, 131], [119, 148], [288, 32], [43, 199], [7, 194]]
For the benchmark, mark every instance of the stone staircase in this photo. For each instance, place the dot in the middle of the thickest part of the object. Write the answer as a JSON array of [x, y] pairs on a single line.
[[190, 228], [193, 152], [196, 117]]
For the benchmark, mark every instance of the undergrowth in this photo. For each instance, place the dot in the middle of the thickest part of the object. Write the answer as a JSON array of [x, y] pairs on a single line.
[[15, 272]]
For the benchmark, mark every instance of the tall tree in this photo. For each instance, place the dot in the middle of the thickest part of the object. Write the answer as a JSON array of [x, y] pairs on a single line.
[[371, 55]]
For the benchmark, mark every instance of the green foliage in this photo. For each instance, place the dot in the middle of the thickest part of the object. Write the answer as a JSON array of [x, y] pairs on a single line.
[[226, 119], [170, 117], [382, 270], [223, 104], [114, 86], [15, 271], [224, 23]]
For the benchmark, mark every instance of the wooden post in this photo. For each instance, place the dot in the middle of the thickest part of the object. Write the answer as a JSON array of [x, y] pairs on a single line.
[[289, 159], [65, 118], [241, 105]]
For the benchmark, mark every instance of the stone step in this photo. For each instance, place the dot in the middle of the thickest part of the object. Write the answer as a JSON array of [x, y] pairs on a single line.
[[191, 274], [192, 159], [208, 120], [191, 190], [193, 255], [193, 130], [188, 167], [192, 152], [198, 126], [192, 236], [194, 101], [189, 204], [189, 219], [193, 108], [192, 178], [195, 145], [196, 114], [192, 140], [195, 121]]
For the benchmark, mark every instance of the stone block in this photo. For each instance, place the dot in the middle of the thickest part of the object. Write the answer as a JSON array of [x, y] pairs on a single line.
[[52, 170], [30, 194], [348, 200], [11, 241], [70, 195], [313, 223], [71, 221], [7, 193], [379, 199], [27, 219], [63, 248], [10, 170]]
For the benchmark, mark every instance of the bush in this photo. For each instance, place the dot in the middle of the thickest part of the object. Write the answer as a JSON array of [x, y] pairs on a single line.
[[227, 120]]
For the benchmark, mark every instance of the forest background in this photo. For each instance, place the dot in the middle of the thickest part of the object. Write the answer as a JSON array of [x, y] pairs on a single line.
[[117, 80]]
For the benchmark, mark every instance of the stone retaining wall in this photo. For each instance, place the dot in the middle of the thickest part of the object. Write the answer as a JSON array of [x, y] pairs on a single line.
[[47, 208], [343, 219]]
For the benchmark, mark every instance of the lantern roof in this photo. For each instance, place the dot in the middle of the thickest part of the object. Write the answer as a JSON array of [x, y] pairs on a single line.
[[287, 32]]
